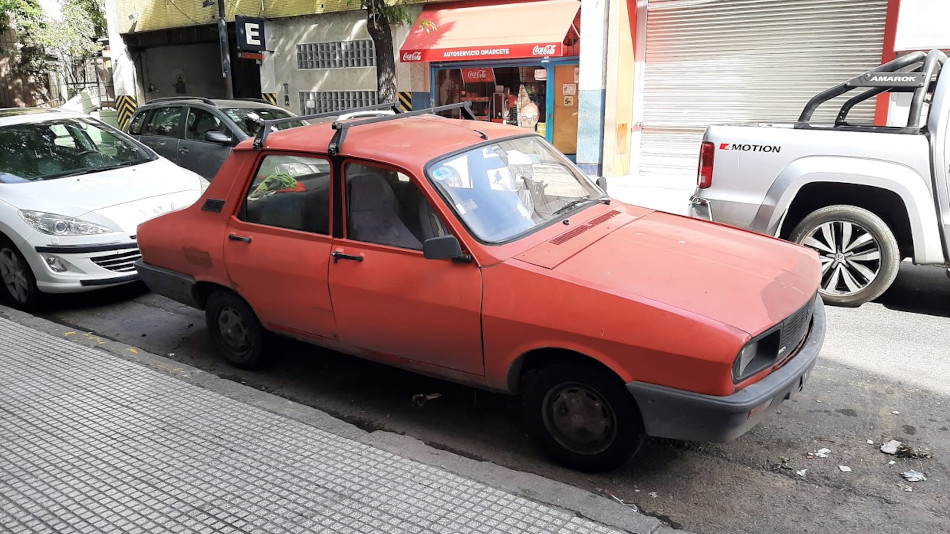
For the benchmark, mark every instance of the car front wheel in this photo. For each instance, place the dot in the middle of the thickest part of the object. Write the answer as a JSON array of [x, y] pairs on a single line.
[[581, 417], [234, 329], [858, 253], [18, 279]]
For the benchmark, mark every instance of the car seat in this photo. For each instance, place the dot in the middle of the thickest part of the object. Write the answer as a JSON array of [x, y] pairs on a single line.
[[372, 213]]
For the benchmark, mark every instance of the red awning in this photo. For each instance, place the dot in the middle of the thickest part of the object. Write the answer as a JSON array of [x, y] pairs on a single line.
[[466, 31]]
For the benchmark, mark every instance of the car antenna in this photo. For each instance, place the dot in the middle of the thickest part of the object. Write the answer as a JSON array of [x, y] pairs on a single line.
[[481, 133]]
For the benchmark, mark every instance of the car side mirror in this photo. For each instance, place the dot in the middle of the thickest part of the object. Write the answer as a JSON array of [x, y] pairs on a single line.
[[220, 138], [602, 182], [442, 248]]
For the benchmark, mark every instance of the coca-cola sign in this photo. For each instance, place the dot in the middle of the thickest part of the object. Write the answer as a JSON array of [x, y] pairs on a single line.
[[412, 56], [546, 50], [479, 75]]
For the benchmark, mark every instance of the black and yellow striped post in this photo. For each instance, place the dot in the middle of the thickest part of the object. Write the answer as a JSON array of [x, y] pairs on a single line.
[[270, 97], [125, 105], [405, 100]]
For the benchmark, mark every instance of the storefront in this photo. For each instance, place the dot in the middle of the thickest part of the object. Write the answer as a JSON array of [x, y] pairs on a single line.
[[511, 72]]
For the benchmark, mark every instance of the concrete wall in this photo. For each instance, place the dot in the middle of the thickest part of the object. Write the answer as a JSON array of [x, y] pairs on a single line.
[[193, 69], [280, 66]]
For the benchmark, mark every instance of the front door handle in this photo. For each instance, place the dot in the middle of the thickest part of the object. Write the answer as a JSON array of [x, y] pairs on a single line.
[[235, 237], [182, 150], [337, 256]]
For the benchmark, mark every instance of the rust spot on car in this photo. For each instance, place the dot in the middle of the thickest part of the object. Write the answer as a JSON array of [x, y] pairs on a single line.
[[201, 258]]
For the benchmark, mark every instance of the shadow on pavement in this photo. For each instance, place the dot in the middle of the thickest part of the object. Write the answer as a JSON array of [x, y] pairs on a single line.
[[919, 289]]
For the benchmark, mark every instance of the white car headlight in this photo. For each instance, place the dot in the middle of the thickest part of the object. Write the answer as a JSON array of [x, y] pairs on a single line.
[[203, 184], [54, 224]]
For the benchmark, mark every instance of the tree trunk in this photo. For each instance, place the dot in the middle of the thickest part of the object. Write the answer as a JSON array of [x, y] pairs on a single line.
[[379, 30]]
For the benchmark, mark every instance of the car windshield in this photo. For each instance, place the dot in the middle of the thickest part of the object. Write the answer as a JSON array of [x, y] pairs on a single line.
[[246, 118], [64, 147], [509, 188]]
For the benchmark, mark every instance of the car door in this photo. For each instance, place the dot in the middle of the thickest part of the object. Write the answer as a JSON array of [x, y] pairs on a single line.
[[162, 131], [195, 151], [386, 296], [277, 246]]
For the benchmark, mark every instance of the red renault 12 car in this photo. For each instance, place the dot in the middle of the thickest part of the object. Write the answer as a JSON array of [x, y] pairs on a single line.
[[478, 253]]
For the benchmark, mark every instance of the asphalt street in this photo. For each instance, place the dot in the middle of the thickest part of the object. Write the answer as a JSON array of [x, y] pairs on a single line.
[[884, 374]]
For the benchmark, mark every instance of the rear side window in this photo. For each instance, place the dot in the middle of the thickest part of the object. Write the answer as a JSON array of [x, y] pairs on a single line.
[[290, 192], [135, 127], [164, 122]]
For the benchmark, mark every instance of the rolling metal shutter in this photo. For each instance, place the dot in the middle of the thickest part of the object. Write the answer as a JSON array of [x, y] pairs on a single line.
[[730, 61]]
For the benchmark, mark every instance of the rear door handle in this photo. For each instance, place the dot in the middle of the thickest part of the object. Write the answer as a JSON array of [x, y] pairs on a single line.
[[235, 237], [337, 256]]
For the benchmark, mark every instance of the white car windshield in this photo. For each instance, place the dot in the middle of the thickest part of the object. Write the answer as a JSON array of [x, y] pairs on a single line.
[[509, 188], [63, 147]]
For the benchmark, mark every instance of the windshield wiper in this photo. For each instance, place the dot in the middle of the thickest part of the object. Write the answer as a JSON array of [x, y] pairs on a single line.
[[575, 203]]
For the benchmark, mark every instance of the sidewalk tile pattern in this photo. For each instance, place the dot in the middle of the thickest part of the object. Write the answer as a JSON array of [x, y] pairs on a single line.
[[92, 443]]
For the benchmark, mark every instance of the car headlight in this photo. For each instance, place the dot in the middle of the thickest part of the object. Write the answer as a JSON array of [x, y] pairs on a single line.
[[745, 357], [203, 184], [54, 224], [756, 355]]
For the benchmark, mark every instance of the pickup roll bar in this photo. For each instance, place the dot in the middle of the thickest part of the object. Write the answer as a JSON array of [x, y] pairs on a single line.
[[916, 80], [342, 126], [266, 124], [934, 58]]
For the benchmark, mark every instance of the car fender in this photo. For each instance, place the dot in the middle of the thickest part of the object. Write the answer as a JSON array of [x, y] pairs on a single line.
[[900, 179]]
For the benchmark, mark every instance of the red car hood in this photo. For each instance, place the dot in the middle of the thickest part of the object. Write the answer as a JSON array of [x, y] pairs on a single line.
[[738, 278]]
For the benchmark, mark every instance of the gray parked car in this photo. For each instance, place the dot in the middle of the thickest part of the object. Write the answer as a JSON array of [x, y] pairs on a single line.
[[198, 133]]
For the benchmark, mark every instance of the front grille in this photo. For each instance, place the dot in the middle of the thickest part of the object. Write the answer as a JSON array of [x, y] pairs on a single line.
[[121, 261], [795, 327]]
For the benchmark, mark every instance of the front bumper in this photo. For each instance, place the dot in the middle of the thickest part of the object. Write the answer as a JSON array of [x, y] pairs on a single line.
[[83, 267], [679, 414]]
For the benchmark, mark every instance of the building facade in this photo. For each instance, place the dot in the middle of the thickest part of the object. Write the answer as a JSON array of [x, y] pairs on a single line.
[[626, 87]]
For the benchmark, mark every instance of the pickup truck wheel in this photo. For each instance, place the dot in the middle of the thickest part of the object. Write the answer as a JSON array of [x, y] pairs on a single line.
[[859, 255], [581, 417], [234, 329]]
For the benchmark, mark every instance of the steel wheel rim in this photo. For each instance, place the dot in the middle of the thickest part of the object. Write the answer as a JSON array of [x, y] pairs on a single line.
[[14, 277], [579, 418], [233, 329], [850, 256]]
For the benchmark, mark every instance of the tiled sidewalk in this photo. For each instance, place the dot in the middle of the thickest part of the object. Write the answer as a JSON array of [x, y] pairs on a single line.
[[90, 442]]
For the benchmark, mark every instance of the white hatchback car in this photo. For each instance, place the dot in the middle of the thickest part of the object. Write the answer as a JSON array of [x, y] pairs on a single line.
[[72, 193]]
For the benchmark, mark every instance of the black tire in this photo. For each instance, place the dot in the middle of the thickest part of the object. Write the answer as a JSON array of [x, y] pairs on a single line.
[[840, 234], [607, 426], [19, 283], [235, 329]]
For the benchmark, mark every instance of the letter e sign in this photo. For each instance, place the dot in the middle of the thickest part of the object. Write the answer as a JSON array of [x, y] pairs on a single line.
[[250, 34]]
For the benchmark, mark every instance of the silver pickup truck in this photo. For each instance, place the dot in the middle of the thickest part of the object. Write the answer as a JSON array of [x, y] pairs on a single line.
[[863, 197]]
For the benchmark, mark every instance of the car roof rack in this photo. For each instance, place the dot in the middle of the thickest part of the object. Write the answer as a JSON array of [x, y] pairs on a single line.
[[887, 77], [264, 131], [342, 127], [172, 98]]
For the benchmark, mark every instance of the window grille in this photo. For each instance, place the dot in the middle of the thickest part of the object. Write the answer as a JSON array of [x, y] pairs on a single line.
[[327, 101], [336, 54]]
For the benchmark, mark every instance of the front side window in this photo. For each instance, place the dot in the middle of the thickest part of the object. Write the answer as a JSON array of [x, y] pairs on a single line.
[[387, 208], [247, 118], [164, 122], [290, 192], [64, 147], [509, 188], [200, 122]]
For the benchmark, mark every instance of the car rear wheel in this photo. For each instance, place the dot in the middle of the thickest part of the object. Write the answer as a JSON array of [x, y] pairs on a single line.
[[858, 253], [19, 282], [234, 329], [581, 417]]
